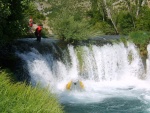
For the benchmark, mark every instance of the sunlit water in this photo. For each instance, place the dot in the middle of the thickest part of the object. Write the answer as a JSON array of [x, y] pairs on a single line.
[[114, 78]]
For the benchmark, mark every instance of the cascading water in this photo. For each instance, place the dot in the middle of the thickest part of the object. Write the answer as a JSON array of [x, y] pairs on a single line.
[[114, 77]]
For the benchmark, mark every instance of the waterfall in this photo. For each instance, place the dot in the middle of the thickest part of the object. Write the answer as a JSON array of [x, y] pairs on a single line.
[[98, 67]]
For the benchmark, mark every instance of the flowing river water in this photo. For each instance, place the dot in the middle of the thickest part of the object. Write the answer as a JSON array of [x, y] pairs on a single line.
[[114, 76]]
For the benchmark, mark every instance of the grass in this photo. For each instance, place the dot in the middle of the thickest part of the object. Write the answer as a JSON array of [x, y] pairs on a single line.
[[20, 98]]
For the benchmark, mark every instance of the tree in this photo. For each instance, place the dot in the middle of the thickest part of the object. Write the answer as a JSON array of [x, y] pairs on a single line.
[[125, 22], [12, 18], [143, 20], [109, 14], [69, 22]]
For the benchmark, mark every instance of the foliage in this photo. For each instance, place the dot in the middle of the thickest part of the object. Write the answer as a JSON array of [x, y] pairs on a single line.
[[143, 21], [14, 16], [130, 57], [141, 39], [70, 26], [124, 40], [85, 17], [33, 12], [12, 22], [79, 52], [68, 29], [45, 33], [125, 23], [126, 15], [95, 16], [105, 27], [20, 98]]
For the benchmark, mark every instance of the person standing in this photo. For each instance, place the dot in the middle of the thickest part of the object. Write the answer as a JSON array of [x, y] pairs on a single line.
[[38, 33], [30, 24]]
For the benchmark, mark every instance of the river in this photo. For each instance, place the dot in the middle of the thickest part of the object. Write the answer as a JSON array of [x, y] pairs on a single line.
[[114, 77]]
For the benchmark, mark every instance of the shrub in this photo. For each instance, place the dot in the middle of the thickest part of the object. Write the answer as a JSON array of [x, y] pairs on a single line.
[[141, 39], [104, 27], [143, 21], [125, 23], [69, 29]]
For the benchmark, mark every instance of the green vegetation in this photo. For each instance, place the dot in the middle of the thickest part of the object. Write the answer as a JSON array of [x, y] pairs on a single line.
[[72, 20], [123, 39], [78, 20], [33, 12], [130, 57], [70, 30], [20, 98], [69, 25], [14, 16], [143, 21], [79, 52], [12, 22], [141, 40], [125, 23]]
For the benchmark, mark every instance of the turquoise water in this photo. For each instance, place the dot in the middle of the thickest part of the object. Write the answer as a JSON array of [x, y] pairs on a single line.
[[111, 105], [112, 83], [108, 100]]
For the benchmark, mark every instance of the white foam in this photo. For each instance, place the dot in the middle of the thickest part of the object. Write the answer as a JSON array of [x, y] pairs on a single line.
[[107, 73]]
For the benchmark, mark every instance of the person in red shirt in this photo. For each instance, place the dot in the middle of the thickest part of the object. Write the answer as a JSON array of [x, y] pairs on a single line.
[[30, 22], [38, 32]]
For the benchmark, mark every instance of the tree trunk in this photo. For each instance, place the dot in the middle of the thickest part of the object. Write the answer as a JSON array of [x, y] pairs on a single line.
[[110, 16], [138, 8]]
